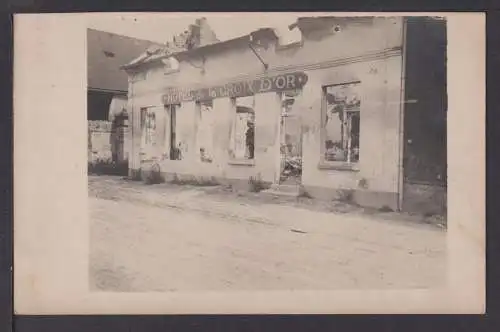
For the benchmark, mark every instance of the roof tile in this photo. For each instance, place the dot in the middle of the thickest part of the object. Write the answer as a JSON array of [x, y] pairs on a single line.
[[106, 53]]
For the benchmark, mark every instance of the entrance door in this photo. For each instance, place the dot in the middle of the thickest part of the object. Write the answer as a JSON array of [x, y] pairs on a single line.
[[425, 121], [290, 142]]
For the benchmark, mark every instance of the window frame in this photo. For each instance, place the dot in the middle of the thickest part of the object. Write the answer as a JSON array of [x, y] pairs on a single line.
[[171, 131], [333, 164], [234, 111], [147, 147], [139, 76], [150, 129]]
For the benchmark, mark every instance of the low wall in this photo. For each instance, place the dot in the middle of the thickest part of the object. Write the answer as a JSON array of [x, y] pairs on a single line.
[[425, 198], [418, 198], [239, 184], [99, 141], [362, 197]]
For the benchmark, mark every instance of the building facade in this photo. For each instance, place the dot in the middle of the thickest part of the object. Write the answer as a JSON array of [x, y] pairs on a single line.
[[324, 114]]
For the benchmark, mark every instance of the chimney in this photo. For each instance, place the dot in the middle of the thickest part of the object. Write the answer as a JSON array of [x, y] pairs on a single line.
[[206, 34], [194, 36]]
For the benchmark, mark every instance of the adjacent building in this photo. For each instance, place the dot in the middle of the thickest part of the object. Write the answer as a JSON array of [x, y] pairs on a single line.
[[107, 89], [354, 110]]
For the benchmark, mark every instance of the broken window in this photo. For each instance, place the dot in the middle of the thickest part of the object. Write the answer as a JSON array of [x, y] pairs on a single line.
[[341, 122], [291, 144], [174, 147], [244, 129], [148, 128], [291, 140], [204, 134]]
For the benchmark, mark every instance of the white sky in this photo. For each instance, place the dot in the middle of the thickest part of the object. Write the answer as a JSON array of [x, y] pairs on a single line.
[[161, 27]]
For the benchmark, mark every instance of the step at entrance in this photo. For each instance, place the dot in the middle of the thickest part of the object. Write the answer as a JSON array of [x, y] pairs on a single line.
[[283, 190]]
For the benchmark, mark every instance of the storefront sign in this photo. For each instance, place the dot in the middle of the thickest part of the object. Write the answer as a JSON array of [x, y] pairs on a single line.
[[283, 82]]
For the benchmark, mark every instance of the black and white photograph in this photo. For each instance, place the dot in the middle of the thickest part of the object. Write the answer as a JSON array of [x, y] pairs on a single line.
[[279, 152], [310, 157]]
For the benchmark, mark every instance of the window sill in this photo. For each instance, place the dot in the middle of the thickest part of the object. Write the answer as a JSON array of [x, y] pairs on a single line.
[[338, 166], [242, 162]]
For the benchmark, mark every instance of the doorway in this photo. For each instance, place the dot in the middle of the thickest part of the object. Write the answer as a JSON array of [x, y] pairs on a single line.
[[424, 174], [290, 141]]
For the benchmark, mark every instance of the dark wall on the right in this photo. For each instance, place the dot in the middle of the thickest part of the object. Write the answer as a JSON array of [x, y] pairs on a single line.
[[425, 155]]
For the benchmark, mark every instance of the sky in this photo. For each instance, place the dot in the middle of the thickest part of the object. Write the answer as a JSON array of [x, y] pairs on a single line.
[[161, 27]]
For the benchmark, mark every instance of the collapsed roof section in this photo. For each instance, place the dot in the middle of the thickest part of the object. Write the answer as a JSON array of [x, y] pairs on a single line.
[[316, 27], [199, 37], [260, 37]]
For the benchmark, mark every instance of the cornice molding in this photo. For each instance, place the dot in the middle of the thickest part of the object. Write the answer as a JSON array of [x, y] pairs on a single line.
[[367, 57]]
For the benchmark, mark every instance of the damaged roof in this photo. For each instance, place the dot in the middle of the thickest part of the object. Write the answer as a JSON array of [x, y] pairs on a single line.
[[184, 45], [314, 22], [212, 44], [106, 52], [301, 21]]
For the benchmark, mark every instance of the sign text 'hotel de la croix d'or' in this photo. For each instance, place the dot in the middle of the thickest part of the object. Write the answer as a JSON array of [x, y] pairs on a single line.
[[276, 83]]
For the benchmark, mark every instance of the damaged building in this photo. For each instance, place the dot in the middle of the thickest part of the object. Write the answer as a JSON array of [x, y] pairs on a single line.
[[354, 109]]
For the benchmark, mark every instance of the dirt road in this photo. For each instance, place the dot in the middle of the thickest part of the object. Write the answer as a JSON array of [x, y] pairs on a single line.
[[165, 237]]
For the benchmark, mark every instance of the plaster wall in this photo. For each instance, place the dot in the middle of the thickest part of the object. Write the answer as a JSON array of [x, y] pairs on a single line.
[[375, 61]]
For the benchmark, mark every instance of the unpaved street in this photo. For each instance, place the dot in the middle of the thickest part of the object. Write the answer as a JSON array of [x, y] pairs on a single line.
[[167, 237]]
